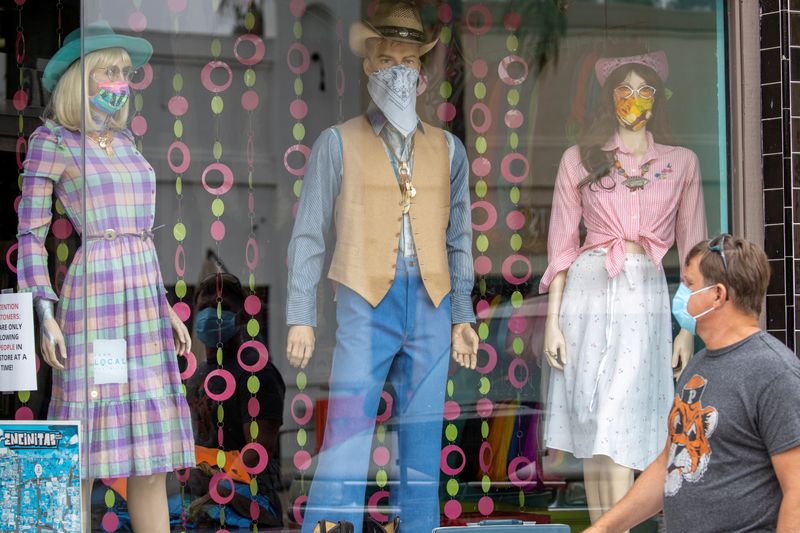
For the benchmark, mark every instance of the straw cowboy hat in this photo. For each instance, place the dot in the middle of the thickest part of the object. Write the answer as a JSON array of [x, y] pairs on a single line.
[[97, 36], [398, 20]]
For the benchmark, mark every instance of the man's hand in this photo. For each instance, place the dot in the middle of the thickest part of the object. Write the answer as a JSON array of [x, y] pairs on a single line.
[[300, 345], [51, 340], [465, 345]]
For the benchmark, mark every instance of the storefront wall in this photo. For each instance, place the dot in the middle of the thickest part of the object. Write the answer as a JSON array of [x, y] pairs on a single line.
[[227, 111]]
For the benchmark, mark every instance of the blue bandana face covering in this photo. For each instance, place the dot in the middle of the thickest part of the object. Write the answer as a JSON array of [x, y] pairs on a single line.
[[680, 307], [210, 331], [111, 96], [394, 91]]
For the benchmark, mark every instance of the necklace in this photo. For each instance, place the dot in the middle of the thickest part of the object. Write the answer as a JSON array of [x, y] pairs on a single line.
[[407, 188], [633, 183], [104, 140]]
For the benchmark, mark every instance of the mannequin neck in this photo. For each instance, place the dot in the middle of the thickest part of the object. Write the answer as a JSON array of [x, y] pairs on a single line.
[[635, 141]]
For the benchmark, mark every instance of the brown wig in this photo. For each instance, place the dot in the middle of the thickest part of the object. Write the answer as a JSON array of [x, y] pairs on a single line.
[[604, 124]]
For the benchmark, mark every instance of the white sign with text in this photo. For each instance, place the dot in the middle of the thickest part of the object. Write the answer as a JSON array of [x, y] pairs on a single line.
[[17, 345], [110, 361]]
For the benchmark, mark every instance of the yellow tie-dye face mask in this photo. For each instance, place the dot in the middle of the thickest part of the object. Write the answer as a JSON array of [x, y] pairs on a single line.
[[634, 106]]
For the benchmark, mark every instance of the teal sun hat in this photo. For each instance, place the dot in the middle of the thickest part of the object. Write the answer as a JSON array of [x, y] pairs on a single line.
[[98, 36]]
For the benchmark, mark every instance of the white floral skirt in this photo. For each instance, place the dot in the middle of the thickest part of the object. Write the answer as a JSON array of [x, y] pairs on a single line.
[[616, 390]]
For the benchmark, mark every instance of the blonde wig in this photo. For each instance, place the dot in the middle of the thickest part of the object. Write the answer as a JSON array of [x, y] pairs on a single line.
[[65, 103]]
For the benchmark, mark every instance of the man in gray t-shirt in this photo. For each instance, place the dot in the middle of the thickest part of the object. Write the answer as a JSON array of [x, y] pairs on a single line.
[[732, 459]]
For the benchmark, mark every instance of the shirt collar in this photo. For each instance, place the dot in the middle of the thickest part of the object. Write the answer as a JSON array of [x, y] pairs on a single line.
[[653, 149], [378, 120]]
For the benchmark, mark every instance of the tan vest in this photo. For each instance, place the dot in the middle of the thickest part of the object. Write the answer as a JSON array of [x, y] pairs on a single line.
[[369, 213]]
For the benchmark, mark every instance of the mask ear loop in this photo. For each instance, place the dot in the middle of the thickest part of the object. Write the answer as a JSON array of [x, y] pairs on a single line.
[[704, 313]]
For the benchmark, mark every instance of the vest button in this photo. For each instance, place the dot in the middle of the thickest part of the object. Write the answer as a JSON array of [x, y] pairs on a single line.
[[397, 235]]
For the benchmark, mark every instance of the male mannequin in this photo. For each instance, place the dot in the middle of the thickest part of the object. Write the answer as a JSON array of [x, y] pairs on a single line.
[[404, 268]]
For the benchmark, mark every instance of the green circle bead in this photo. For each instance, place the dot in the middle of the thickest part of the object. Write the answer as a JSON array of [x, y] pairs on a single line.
[[482, 243], [517, 299], [480, 90], [450, 387], [482, 285], [177, 83], [62, 252], [483, 331], [380, 433], [221, 459], [484, 429], [301, 380], [452, 487], [138, 102], [480, 144], [512, 43], [216, 104], [217, 207], [180, 289], [514, 194], [251, 282], [60, 207], [521, 499], [513, 97], [219, 356], [298, 187], [24, 396], [446, 90], [451, 432], [253, 427], [302, 437], [298, 86], [297, 30], [516, 242], [109, 498], [481, 188], [518, 346], [249, 77], [381, 478], [299, 131], [253, 486], [253, 384], [249, 21], [485, 385], [486, 483], [252, 327], [513, 140], [177, 128], [216, 47], [178, 185], [445, 34], [216, 150]]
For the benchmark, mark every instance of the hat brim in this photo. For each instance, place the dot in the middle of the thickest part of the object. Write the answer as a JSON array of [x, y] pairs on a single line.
[[140, 51], [361, 31]]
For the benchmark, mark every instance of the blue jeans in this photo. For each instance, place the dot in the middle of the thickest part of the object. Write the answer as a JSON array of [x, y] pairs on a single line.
[[406, 339]]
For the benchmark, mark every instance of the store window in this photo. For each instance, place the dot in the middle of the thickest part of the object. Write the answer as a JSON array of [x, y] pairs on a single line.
[[584, 139]]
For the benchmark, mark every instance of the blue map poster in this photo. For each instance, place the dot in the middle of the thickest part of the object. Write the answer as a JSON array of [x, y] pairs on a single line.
[[40, 481]]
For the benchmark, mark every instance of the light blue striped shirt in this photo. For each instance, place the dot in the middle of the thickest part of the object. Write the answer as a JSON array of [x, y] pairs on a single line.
[[321, 186]]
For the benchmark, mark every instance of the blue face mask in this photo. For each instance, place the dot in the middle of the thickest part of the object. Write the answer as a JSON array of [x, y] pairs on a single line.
[[210, 331], [680, 307]]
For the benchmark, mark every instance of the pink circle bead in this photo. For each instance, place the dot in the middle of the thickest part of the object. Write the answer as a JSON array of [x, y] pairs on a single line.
[[218, 230], [445, 13], [250, 100], [485, 506], [302, 460], [176, 6], [298, 109], [446, 112], [178, 105], [252, 304], [110, 521], [24, 413], [253, 407], [381, 456], [452, 509], [451, 410], [137, 21], [182, 310], [139, 125], [480, 68]]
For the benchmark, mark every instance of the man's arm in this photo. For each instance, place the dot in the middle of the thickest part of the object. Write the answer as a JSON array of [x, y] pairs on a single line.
[[645, 499], [459, 234], [307, 247], [787, 469]]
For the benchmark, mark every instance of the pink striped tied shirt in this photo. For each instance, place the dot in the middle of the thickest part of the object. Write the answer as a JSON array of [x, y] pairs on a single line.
[[668, 209]]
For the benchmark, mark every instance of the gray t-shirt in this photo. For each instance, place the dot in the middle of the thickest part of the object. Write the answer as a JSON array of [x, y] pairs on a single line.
[[735, 408]]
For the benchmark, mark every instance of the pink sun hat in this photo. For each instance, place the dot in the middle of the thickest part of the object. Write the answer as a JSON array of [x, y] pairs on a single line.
[[655, 60]]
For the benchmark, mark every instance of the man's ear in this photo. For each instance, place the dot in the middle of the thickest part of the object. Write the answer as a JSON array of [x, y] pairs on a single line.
[[721, 294]]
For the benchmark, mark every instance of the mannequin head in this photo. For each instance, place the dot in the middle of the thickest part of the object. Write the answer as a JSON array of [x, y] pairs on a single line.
[[386, 53], [604, 123], [65, 103]]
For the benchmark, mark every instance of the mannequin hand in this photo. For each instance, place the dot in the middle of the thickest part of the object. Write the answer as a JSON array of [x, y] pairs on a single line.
[[300, 345], [555, 348], [52, 344], [183, 341], [465, 345], [682, 351]]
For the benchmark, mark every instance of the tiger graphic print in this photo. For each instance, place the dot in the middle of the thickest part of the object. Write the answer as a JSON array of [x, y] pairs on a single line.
[[691, 425]]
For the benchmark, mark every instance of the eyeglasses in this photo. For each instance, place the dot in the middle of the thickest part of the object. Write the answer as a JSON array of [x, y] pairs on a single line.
[[113, 73], [718, 245], [626, 91]]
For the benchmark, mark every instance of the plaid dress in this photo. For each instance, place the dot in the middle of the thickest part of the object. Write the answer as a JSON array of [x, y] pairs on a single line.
[[143, 426]]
